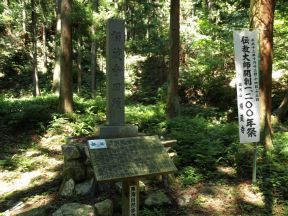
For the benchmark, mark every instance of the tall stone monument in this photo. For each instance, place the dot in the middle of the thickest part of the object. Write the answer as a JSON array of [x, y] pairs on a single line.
[[115, 93], [120, 154]]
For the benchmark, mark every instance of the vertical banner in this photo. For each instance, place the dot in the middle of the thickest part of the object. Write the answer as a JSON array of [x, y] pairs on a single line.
[[247, 76]]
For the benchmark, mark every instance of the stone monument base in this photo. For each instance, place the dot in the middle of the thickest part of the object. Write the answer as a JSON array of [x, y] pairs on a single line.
[[107, 131]]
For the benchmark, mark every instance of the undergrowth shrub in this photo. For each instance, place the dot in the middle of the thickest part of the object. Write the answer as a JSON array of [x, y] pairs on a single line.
[[149, 118], [190, 176], [202, 141], [26, 112], [276, 172]]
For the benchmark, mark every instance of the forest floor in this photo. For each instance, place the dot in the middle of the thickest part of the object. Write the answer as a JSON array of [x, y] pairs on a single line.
[[30, 176]]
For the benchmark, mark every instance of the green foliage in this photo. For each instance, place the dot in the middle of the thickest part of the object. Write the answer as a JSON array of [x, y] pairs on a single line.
[[149, 77], [205, 59], [154, 212], [201, 141], [190, 176], [16, 113], [25, 164], [88, 113], [149, 118], [277, 165]]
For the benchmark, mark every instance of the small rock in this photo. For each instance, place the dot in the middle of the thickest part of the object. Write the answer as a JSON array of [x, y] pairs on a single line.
[[85, 188], [74, 169], [67, 188], [75, 209], [104, 208], [157, 198], [142, 186], [86, 151], [118, 186], [184, 200], [70, 152], [89, 172]]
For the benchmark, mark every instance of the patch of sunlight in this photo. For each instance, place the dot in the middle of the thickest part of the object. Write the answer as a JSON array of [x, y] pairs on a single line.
[[250, 195], [232, 83], [212, 203], [32, 205], [276, 75], [52, 142], [1, 75], [23, 181], [279, 22], [217, 198], [230, 171]]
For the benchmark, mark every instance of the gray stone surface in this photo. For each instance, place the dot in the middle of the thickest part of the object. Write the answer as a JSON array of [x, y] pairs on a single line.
[[104, 208], [115, 72], [118, 131], [85, 188], [157, 198], [74, 169], [86, 151], [67, 188], [184, 199], [75, 209], [70, 152]]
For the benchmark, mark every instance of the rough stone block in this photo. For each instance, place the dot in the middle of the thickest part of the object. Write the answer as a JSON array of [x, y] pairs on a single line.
[[157, 198], [67, 188], [70, 152], [85, 188], [118, 131], [104, 208], [74, 209], [74, 169]]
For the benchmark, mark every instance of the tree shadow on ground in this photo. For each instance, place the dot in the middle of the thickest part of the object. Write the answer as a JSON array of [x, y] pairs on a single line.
[[15, 197]]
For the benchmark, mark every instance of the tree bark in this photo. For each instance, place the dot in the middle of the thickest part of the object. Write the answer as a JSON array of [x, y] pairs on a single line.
[[94, 53], [282, 109], [57, 67], [79, 67], [24, 17], [44, 48], [36, 90], [66, 94], [262, 18], [173, 74], [93, 66]]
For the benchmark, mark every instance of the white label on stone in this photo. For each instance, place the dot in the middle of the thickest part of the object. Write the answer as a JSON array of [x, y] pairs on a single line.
[[133, 200], [97, 144]]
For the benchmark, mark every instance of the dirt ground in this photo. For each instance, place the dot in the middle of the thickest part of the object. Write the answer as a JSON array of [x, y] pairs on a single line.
[[30, 176]]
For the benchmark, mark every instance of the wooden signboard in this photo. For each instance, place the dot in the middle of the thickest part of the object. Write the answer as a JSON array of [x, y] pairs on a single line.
[[134, 157]]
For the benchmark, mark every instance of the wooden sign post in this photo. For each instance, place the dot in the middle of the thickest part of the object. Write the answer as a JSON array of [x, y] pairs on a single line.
[[128, 160]]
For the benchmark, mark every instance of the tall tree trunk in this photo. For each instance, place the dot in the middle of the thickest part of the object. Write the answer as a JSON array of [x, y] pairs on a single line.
[[6, 5], [24, 17], [282, 109], [36, 90], [94, 53], [44, 48], [79, 67], [66, 94], [93, 66], [262, 17], [173, 76], [56, 71], [193, 9]]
